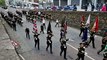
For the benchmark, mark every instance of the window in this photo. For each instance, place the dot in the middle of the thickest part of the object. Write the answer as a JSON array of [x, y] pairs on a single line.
[[56, 2], [63, 2]]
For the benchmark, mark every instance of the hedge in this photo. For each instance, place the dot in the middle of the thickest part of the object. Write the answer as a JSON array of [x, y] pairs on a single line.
[[74, 18]]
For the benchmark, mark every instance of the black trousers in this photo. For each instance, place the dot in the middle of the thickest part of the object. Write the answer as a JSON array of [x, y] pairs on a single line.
[[57, 24], [80, 57], [81, 31], [63, 50], [37, 42], [93, 44], [42, 30], [44, 26], [102, 48], [27, 35], [49, 45], [14, 27]]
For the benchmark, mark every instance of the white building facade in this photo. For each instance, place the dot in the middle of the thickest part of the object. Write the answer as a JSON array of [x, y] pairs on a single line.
[[79, 3]]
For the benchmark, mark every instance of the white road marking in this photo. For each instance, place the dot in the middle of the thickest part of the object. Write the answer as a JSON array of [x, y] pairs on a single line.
[[86, 54], [22, 57], [71, 40]]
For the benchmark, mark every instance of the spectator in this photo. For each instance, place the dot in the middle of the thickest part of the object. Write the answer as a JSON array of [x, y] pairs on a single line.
[[75, 8], [103, 8], [92, 7], [86, 6]]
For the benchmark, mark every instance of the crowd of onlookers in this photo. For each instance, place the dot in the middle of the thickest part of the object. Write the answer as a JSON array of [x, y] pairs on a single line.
[[63, 8], [85, 7]]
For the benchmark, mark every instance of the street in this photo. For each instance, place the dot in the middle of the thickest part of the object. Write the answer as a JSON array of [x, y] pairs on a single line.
[[29, 52]]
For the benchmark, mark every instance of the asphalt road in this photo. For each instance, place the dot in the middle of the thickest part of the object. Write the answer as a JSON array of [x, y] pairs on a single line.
[[29, 52]]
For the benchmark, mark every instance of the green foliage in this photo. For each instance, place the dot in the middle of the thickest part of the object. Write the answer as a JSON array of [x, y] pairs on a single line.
[[74, 18], [2, 2]]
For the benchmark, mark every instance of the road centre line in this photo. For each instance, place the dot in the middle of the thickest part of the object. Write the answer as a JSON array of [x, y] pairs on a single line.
[[86, 54]]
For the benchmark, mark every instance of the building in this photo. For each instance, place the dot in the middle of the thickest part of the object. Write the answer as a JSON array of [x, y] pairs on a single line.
[[37, 1], [11, 2], [80, 3]]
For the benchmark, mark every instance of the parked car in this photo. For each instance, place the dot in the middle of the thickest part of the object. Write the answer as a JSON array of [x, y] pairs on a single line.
[[68, 7]]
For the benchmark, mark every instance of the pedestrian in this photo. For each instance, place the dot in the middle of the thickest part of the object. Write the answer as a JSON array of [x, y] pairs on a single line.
[[74, 7], [42, 29], [104, 41], [36, 40], [27, 31], [86, 7], [49, 42], [81, 28], [92, 7], [63, 46], [103, 9], [92, 39], [57, 23], [81, 52]]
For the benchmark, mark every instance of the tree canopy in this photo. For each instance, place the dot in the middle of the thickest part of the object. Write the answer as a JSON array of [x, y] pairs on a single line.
[[2, 2]]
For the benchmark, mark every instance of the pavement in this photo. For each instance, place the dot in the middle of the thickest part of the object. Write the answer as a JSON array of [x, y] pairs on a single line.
[[7, 50], [29, 52]]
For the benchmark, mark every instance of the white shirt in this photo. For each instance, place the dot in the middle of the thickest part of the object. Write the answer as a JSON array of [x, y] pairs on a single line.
[[57, 21], [39, 12], [43, 21]]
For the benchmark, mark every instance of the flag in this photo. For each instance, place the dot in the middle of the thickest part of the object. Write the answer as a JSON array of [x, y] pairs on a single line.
[[35, 29], [63, 21], [65, 25], [82, 18], [49, 27], [85, 34], [95, 26], [88, 20]]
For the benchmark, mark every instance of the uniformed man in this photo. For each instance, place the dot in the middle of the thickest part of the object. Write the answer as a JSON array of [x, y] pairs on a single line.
[[27, 31], [49, 42], [105, 52], [81, 52], [92, 39], [14, 23], [36, 39], [42, 29], [81, 28], [63, 46], [104, 41]]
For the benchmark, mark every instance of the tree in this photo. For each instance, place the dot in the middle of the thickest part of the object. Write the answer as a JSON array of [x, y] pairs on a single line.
[[2, 2]]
